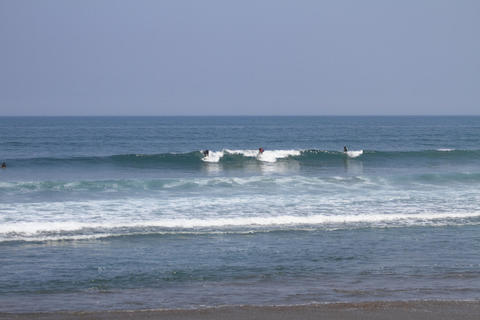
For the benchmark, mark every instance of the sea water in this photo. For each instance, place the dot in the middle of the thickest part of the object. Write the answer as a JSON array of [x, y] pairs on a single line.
[[102, 213]]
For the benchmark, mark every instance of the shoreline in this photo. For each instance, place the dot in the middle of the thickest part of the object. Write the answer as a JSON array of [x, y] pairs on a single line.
[[464, 310]]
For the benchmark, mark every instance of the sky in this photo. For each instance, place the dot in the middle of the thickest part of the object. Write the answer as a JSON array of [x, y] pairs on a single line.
[[260, 57]]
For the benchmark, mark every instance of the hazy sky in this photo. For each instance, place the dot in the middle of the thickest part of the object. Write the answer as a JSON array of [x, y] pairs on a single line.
[[202, 57]]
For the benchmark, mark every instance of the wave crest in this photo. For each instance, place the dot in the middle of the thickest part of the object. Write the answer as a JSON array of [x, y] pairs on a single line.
[[75, 230], [235, 157]]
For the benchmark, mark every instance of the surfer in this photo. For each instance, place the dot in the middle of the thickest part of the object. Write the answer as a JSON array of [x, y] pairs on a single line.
[[206, 152], [4, 165], [260, 150], [345, 149]]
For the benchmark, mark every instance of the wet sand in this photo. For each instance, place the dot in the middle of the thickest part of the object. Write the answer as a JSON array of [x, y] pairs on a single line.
[[421, 310]]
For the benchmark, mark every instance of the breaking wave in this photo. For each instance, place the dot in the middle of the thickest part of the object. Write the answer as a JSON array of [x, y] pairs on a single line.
[[235, 157], [76, 230]]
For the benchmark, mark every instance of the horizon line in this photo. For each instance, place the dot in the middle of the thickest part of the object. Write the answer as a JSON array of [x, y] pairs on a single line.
[[245, 115]]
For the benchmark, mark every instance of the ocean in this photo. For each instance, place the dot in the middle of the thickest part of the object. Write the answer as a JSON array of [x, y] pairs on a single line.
[[107, 213]]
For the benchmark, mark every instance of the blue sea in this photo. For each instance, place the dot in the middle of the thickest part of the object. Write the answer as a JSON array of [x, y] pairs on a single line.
[[105, 213]]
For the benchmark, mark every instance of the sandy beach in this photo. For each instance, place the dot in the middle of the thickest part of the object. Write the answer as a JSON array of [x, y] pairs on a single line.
[[424, 310]]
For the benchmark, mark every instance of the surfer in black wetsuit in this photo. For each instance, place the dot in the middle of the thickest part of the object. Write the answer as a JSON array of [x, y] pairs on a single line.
[[206, 152], [345, 149], [260, 150], [4, 165]]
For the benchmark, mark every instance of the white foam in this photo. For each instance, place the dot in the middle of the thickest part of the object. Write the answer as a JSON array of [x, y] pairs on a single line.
[[244, 202], [266, 156], [86, 230], [213, 156], [445, 150], [273, 155], [354, 153], [245, 153]]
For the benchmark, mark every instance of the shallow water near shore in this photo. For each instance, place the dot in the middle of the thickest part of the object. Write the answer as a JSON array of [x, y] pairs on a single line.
[[126, 213]]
